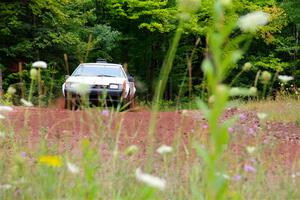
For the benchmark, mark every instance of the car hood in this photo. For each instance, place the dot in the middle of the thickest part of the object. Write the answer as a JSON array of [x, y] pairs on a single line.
[[92, 80]]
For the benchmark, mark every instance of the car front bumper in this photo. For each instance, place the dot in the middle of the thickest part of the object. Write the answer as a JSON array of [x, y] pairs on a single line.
[[95, 95]]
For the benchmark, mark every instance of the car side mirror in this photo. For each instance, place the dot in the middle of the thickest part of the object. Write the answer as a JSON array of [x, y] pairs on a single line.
[[130, 79], [67, 76]]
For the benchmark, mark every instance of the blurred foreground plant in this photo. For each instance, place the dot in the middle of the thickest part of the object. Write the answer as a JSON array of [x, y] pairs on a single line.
[[215, 66], [223, 53]]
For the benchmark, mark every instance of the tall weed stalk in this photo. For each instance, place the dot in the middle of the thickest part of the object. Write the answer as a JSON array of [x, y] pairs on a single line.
[[220, 59], [222, 56]]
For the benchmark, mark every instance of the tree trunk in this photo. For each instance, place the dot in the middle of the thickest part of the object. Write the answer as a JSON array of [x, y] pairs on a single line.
[[1, 89], [296, 40]]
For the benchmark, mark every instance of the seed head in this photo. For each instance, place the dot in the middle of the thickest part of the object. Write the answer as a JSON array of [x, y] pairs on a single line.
[[253, 90], [247, 66], [131, 150], [266, 76], [11, 90], [189, 6], [33, 74], [226, 3]]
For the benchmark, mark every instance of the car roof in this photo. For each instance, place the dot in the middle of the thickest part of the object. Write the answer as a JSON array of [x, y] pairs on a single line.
[[100, 64]]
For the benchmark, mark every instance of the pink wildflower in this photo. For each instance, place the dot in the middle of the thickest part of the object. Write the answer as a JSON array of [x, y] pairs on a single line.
[[105, 113], [251, 131], [249, 168], [237, 177], [230, 130], [205, 126], [243, 117]]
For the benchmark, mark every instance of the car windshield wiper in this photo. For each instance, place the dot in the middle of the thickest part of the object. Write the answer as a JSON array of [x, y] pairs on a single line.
[[104, 75], [81, 75]]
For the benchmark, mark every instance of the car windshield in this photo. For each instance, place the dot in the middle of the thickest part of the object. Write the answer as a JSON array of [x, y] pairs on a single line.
[[101, 71]]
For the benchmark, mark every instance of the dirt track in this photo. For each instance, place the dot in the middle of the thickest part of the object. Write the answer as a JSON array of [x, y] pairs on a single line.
[[66, 128]]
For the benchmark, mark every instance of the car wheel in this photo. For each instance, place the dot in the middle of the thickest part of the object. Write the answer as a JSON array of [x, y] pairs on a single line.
[[132, 104], [70, 105], [67, 104]]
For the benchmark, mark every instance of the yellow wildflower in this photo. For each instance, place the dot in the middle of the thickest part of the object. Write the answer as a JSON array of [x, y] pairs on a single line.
[[53, 161]]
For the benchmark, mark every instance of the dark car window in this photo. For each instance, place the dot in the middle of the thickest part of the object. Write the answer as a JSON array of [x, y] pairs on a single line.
[[101, 71]]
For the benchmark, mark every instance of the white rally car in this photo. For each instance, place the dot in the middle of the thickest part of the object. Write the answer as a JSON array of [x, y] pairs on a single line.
[[100, 81]]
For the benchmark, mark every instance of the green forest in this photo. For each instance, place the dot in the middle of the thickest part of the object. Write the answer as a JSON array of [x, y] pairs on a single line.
[[202, 100], [138, 34]]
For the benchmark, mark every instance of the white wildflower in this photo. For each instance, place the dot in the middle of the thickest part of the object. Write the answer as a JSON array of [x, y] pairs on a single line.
[[262, 116], [164, 149], [295, 174], [285, 78], [6, 108], [250, 149], [225, 176], [251, 21], [73, 168], [39, 64], [26, 103], [150, 180]]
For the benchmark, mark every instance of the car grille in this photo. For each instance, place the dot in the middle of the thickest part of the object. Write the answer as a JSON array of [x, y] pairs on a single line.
[[100, 86]]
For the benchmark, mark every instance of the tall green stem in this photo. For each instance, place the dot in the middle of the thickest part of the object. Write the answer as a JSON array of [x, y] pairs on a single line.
[[162, 81]]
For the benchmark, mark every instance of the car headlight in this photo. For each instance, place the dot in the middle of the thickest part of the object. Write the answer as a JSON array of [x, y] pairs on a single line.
[[71, 85], [115, 86]]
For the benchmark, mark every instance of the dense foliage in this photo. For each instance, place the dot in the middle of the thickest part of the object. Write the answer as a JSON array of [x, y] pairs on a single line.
[[138, 34]]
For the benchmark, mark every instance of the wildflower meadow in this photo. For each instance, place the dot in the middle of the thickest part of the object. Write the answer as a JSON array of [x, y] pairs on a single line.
[[215, 116]]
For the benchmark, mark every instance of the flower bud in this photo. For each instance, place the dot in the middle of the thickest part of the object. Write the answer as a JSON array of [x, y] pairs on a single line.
[[226, 3], [11, 90], [247, 66], [222, 91], [253, 90], [266, 76], [131, 150], [211, 99], [33, 74], [189, 6]]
